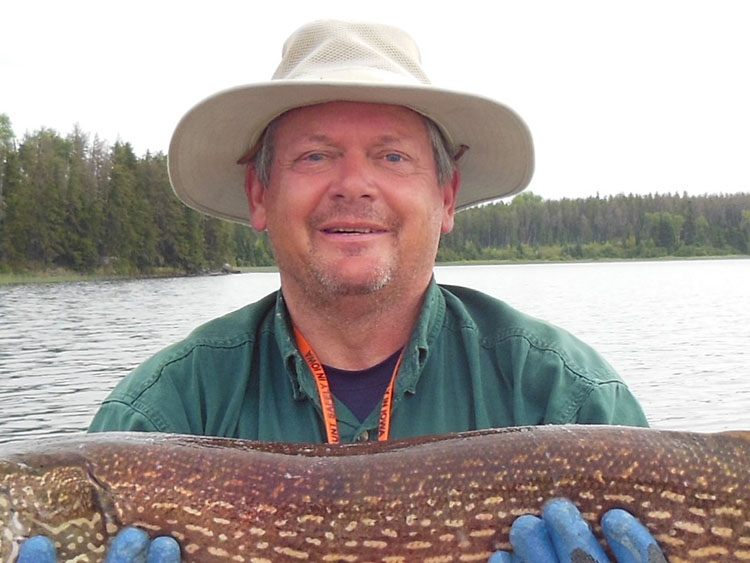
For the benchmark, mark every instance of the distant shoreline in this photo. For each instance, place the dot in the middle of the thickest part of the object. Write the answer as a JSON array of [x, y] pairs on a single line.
[[59, 275]]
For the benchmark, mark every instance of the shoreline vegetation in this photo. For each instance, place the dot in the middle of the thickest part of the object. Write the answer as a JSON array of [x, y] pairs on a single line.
[[70, 276], [73, 208]]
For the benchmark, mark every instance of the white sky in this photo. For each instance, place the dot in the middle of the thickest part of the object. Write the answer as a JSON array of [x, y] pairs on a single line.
[[621, 96]]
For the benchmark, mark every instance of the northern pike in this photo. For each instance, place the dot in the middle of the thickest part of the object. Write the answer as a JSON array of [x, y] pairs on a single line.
[[435, 499]]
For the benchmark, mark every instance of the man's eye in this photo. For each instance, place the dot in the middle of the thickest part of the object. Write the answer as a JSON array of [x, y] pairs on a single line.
[[394, 157], [314, 157]]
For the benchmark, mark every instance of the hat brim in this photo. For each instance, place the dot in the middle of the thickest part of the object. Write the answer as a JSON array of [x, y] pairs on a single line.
[[215, 133]]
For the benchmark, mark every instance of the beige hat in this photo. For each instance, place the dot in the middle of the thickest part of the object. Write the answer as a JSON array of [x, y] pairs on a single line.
[[343, 61]]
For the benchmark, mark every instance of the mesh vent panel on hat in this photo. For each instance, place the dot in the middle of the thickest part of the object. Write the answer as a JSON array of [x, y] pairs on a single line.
[[322, 47]]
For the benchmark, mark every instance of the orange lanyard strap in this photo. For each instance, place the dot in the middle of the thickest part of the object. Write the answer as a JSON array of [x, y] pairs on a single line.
[[326, 397]]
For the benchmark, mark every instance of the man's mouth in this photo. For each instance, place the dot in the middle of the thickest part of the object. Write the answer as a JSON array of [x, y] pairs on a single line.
[[352, 230]]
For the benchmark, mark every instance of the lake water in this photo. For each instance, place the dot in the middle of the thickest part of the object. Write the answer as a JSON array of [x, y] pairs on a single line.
[[678, 332]]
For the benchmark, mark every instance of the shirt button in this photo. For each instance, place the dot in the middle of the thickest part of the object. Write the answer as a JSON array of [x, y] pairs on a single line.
[[363, 437]]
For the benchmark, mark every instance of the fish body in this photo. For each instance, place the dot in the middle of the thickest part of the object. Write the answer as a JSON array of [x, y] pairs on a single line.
[[435, 499]]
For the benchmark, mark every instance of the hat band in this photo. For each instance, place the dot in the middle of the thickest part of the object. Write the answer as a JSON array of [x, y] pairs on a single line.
[[360, 75]]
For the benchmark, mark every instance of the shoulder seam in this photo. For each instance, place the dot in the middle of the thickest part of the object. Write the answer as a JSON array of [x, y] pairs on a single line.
[[131, 406], [607, 376]]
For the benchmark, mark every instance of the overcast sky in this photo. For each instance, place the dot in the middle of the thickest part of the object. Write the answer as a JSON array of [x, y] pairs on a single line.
[[629, 96]]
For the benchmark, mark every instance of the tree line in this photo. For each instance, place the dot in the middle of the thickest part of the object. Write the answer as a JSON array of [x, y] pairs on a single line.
[[77, 203], [615, 227], [80, 204]]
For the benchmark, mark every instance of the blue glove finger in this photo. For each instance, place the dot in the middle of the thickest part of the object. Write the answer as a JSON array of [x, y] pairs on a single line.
[[631, 542], [129, 546], [570, 534], [503, 557], [38, 549], [164, 549], [531, 541]]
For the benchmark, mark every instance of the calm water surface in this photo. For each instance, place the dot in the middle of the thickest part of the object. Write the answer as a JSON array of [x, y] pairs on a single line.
[[678, 332]]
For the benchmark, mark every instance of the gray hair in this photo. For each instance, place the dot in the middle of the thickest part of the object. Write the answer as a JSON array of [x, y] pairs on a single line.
[[445, 165]]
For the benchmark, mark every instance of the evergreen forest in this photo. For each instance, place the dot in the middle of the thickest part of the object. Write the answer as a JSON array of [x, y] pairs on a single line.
[[78, 203]]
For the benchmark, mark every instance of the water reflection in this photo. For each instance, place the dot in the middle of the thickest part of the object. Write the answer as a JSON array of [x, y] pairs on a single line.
[[677, 331]]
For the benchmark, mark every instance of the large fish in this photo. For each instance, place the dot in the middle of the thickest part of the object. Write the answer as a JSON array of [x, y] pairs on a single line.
[[437, 499]]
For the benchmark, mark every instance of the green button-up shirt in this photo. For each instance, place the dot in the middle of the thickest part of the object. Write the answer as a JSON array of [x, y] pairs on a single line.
[[472, 363]]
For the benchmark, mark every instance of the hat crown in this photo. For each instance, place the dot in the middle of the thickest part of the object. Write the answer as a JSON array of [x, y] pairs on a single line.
[[351, 51]]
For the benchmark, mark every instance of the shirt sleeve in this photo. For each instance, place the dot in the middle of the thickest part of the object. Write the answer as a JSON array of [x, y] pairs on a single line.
[[611, 403], [120, 417]]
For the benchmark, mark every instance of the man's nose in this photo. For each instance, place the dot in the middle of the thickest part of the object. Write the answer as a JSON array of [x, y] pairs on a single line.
[[354, 178]]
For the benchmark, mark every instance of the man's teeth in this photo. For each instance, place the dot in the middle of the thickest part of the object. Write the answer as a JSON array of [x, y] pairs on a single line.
[[351, 231]]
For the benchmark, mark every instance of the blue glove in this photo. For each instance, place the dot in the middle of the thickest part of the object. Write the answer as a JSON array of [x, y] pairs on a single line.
[[562, 536], [131, 545]]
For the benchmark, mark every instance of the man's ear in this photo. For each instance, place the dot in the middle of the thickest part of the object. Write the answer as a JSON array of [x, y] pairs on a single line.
[[450, 194], [256, 199]]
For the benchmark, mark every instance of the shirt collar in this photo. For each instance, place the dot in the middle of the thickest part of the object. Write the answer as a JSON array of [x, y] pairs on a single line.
[[424, 335]]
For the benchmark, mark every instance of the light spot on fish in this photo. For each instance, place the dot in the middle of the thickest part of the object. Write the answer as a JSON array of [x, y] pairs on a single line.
[[482, 556], [390, 533], [708, 551], [691, 527], [619, 498], [418, 545], [340, 557], [666, 539], [524, 510], [222, 521], [310, 518], [293, 553], [727, 511], [484, 516], [375, 544], [192, 548], [670, 495], [191, 510], [200, 529], [485, 533], [659, 514], [721, 532]]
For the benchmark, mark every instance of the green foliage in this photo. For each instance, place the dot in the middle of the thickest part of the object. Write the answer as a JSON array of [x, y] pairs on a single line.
[[85, 206], [619, 227], [80, 204]]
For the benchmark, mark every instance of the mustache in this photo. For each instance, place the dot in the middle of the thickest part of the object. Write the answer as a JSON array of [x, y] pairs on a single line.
[[353, 211]]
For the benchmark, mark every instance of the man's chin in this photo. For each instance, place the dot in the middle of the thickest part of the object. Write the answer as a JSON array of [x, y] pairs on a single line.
[[340, 285]]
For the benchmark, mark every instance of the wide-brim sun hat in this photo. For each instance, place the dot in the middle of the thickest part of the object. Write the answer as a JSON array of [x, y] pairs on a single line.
[[327, 61]]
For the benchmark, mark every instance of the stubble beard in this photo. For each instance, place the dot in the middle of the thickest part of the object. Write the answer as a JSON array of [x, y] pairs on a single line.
[[319, 277], [333, 285]]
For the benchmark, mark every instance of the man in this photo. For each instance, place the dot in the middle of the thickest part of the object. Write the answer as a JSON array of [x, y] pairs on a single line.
[[355, 166]]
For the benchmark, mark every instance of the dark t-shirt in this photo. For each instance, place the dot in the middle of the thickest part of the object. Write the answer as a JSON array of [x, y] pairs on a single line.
[[362, 390]]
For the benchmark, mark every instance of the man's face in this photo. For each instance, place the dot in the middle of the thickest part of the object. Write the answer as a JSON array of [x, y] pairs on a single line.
[[353, 205]]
